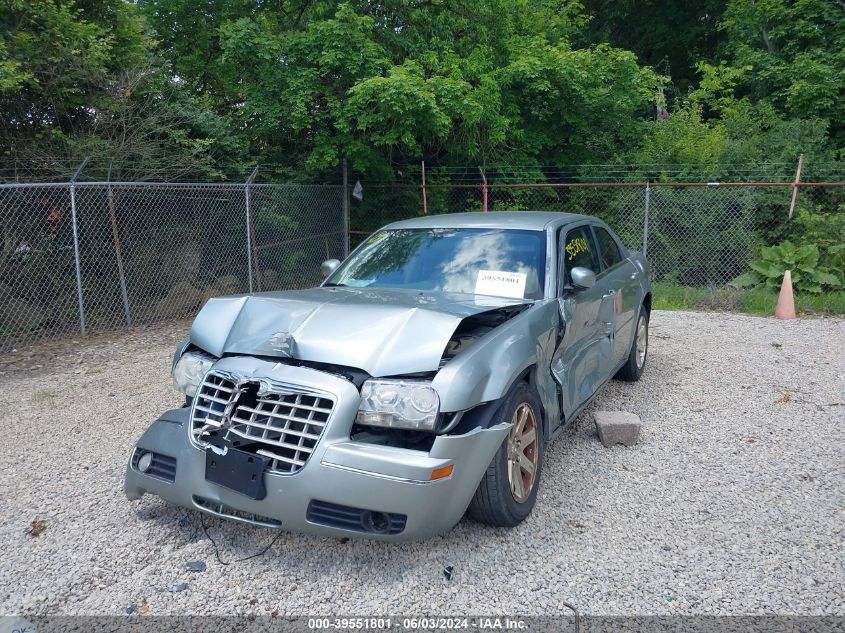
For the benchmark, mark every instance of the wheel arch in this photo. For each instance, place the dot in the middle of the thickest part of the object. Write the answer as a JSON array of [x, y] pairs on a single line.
[[531, 376], [482, 415]]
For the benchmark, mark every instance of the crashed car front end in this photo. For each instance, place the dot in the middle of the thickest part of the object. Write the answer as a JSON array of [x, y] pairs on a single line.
[[370, 405], [325, 483], [273, 440]]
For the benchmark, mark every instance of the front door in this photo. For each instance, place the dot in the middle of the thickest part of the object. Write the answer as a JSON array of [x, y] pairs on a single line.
[[583, 358]]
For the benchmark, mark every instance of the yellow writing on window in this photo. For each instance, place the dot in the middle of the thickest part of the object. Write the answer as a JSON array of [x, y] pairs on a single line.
[[576, 246]]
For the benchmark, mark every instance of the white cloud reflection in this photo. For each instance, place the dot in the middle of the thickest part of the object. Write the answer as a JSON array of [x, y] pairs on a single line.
[[444, 260], [488, 251]]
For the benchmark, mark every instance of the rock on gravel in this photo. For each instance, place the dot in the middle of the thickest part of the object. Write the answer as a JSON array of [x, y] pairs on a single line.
[[617, 427], [733, 498]]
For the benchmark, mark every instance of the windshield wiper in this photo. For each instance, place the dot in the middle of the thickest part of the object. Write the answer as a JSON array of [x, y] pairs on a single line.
[[332, 285]]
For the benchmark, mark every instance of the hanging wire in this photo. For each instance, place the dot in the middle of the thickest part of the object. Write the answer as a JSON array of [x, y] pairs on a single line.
[[216, 547]]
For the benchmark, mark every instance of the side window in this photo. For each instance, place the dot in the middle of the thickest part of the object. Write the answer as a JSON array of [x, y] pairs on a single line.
[[579, 250], [609, 249]]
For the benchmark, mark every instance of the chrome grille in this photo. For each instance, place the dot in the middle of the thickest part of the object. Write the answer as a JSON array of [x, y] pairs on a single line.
[[281, 422]]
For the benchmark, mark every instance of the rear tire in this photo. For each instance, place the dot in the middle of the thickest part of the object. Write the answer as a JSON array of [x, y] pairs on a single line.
[[633, 368], [508, 490]]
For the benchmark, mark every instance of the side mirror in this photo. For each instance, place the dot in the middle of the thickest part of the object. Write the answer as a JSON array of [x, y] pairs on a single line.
[[582, 277], [329, 266]]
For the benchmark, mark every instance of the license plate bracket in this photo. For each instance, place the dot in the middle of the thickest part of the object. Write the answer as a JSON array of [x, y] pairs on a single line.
[[237, 470]]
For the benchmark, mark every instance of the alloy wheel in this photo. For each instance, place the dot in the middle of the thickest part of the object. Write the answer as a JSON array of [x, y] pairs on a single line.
[[642, 341], [522, 452]]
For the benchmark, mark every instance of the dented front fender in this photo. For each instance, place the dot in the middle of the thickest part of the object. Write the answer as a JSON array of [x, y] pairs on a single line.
[[485, 371]]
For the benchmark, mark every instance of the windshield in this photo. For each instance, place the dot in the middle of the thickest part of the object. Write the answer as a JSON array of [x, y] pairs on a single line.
[[497, 262]]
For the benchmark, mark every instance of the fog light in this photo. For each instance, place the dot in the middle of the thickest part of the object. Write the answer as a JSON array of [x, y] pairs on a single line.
[[377, 522], [145, 461]]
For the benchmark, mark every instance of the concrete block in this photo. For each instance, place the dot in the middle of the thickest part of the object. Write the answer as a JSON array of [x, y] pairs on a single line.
[[617, 427]]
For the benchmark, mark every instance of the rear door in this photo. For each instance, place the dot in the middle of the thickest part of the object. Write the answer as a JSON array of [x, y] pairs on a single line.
[[622, 278], [583, 357]]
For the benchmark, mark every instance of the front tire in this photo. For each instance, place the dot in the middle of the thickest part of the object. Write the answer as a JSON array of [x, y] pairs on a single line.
[[633, 369], [508, 490]]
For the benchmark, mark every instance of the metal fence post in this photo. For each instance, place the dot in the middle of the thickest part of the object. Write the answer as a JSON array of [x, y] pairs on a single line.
[[345, 196], [117, 251], [250, 238], [645, 218], [76, 245]]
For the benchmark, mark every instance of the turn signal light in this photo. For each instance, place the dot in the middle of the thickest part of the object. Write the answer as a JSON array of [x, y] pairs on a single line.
[[443, 471]]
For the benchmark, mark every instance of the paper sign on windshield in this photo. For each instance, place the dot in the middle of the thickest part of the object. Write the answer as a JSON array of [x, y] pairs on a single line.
[[500, 284]]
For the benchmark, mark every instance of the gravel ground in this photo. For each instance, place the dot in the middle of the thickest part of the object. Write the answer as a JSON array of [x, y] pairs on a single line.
[[733, 502]]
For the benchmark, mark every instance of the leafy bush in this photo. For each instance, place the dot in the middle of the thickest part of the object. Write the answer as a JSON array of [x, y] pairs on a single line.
[[821, 224], [808, 274]]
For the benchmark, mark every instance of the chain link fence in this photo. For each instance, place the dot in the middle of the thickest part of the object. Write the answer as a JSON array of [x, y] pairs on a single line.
[[699, 237], [695, 236], [97, 256], [152, 252]]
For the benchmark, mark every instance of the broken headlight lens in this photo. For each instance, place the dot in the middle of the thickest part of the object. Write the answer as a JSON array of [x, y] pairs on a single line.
[[399, 404], [190, 370]]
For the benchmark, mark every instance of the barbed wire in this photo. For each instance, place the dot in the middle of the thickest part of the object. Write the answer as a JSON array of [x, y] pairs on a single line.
[[101, 169]]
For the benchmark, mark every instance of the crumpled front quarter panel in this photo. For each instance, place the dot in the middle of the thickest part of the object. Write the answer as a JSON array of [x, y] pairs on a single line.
[[485, 371]]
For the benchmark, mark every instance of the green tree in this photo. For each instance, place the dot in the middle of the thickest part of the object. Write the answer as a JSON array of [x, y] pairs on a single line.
[[793, 54], [672, 37], [449, 82], [80, 79]]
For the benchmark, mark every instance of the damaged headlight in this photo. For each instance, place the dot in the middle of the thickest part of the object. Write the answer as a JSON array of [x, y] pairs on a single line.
[[190, 370], [399, 404]]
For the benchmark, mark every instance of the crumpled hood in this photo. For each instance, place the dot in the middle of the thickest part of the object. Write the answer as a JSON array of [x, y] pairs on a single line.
[[385, 332]]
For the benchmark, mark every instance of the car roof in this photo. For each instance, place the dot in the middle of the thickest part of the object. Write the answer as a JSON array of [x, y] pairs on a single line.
[[528, 220]]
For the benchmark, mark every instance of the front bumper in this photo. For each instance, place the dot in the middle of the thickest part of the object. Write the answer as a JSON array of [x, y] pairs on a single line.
[[340, 472]]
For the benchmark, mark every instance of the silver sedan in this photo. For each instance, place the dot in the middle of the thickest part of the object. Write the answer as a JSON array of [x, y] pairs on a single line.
[[419, 383]]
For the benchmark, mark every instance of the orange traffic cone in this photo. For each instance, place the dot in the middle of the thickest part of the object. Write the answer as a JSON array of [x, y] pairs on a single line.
[[785, 308]]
